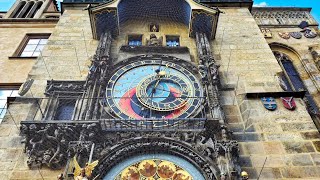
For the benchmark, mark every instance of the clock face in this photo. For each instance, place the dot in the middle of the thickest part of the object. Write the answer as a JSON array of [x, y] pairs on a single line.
[[153, 89]]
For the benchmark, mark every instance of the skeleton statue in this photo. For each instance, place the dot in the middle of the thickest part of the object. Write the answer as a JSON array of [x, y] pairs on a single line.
[[213, 68], [204, 73]]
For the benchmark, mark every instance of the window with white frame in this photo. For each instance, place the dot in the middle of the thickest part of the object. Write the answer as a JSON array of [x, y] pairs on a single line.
[[32, 45], [6, 94]]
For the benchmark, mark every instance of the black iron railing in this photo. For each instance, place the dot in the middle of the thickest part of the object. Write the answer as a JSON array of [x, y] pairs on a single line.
[[76, 109]]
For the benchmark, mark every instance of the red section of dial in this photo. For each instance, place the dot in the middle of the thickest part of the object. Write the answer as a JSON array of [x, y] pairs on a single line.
[[125, 105]]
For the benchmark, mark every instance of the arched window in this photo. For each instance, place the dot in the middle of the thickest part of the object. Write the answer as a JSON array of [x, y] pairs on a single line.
[[18, 9], [26, 9], [35, 9], [294, 82]]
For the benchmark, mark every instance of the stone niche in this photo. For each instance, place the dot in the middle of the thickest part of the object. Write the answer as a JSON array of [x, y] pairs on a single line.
[[315, 51]]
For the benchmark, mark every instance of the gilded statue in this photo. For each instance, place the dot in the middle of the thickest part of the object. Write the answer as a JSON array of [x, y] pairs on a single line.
[[83, 173]]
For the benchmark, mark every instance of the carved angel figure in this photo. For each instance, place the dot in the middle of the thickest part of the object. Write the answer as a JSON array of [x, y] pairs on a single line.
[[83, 173]]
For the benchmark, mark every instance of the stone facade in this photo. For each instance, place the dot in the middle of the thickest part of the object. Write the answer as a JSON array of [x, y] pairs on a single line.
[[280, 144]]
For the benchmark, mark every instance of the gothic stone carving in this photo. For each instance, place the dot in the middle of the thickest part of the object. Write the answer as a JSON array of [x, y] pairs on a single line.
[[154, 41], [152, 144], [315, 51], [66, 86], [52, 145], [281, 16], [266, 32], [48, 144], [99, 69]]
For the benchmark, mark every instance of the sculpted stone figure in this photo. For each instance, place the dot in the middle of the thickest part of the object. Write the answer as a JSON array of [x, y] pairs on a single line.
[[154, 41]]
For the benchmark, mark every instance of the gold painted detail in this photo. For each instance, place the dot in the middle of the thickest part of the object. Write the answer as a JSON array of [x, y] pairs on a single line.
[[85, 172], [154, 169], [266, 32], [284, 35]]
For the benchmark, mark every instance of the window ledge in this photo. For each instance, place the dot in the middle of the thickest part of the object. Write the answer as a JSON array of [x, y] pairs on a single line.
[[22, 58]]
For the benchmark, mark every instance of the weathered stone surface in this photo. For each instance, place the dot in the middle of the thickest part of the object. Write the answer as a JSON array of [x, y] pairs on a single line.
[[298, 126], [248, 137], [270, 161], [270, 173], [317, 145], [273, 148], [254, 148], [300, 172], [298, 147], [283, 136], [310, 135], [301, 160], [316, 159], [233, 119]]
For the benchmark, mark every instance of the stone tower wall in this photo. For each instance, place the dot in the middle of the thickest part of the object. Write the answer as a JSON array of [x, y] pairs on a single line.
[[285, 142]]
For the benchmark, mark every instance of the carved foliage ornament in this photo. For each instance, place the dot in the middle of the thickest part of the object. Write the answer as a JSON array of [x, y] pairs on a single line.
[[71, 86]]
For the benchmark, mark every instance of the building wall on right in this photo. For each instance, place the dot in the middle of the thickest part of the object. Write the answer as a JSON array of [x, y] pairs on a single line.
[[279, 144], [283, 34]]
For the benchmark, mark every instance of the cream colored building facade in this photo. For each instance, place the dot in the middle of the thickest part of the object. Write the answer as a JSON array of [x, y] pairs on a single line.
[[247, 44]]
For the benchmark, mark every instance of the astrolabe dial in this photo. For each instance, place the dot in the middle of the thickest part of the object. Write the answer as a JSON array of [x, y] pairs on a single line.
[[163, 92], [153, 89]]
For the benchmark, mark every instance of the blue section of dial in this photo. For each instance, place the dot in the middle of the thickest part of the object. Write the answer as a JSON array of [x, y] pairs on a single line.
[[159, 93]]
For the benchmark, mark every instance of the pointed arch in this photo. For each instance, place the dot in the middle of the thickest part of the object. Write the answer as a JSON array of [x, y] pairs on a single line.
[[137, 146], [18, 9], [295, 74], [34, 9], [26, 9]]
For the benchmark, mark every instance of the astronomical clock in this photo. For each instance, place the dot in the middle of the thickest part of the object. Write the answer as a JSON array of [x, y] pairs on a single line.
[[150, 112], [154, 89]]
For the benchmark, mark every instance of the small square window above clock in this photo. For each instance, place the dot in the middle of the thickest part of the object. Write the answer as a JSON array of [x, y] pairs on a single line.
[[172, 41], [135, 40]]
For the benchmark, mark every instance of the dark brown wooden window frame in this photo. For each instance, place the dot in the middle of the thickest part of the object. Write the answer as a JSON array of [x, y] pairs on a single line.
[[24, 42]]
